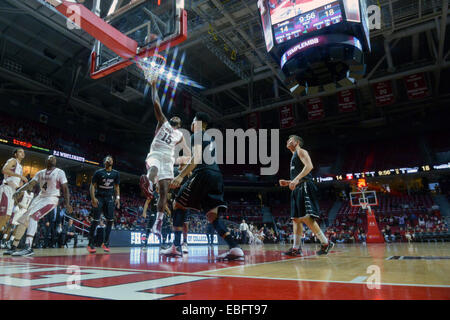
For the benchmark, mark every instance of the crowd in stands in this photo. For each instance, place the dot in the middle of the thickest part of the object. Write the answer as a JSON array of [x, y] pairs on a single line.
[[51, 138]]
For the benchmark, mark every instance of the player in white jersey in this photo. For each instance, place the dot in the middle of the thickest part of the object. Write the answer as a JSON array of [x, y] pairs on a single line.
[[13, 177], [18, 212], [51, 181], [161, 158]]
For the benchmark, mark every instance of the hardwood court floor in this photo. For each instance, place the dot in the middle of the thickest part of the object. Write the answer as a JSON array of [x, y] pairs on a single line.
[[404, 271]]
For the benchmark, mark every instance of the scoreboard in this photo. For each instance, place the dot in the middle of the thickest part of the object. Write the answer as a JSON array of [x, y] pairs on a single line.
[[308, 22], [306, 37]]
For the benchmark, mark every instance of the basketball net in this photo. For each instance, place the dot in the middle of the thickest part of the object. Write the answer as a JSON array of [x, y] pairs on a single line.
[[152, 67]]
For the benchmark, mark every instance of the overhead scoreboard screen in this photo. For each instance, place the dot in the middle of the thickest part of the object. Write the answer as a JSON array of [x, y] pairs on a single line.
[[294, 18]]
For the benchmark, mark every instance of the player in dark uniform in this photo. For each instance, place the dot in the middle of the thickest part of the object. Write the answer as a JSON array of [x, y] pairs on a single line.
[[203, 190], [105, 183], [304, 203], [176, 171]]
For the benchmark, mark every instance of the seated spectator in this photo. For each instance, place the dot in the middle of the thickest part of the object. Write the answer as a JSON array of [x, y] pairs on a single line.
[[69, 233], [388, 236]]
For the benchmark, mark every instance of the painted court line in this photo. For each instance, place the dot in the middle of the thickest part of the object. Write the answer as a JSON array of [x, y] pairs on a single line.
[[202, 273]]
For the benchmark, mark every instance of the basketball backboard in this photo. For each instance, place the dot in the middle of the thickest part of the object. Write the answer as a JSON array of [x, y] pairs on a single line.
[[126, 31], [155, 25], [363, 199]]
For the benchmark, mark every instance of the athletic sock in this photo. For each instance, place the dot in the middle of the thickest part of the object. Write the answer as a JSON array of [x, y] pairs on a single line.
[[323, 240], [159, 215], [177, 239], [297, 239], [29, 241]]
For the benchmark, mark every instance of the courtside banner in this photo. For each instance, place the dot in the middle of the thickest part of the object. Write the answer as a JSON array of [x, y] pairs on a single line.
[[347, 101], [287, 119], [416, 86], [253, 120], [384, 94], [315, 109]]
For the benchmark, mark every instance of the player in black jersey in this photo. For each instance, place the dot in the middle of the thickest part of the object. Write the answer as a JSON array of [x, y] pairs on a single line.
[[304, 203], [105, 193], [181, 163], [203, 190]]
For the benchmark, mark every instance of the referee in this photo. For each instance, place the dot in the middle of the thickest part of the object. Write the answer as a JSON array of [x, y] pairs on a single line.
[[105, 183]]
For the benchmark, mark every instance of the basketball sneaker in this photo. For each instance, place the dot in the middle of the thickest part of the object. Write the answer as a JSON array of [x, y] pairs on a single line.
[[184, 248], [146, 186], [157, 226], [10, 251], [28, 251], [324, 249], [232, 254], [294, 252], [105, 247], [171, 251], [90, 248]]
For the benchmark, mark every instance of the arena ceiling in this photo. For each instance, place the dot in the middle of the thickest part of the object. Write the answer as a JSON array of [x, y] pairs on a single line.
[[53, 64]]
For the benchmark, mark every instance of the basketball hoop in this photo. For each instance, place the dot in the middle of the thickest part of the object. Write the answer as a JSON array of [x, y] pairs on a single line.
[[364, 204], [152, 67]]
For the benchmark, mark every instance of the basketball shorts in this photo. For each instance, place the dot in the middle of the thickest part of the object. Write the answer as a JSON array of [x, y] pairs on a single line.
[[39, 207], [6, 199], [162, 162], [105, 207], [304, 200], [203, 191]]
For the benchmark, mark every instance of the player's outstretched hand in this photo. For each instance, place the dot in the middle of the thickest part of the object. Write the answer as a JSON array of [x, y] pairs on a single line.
[[175, 184], [24, 179], [293, 184], [117, 203], [284, 183], [94, 202], [17, 196]]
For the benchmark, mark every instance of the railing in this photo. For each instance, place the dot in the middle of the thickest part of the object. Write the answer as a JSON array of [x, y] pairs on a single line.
[[83, 225]]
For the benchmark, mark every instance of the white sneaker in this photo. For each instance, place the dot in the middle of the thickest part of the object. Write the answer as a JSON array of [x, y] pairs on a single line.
[[184, 248], [232, 254], [23, 253], [171, 251]]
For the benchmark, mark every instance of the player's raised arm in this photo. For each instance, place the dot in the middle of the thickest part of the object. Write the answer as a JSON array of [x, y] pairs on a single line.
[[157, 105], [26, 187]]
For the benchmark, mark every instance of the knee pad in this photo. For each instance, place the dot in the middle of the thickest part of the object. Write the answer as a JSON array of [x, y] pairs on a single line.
[[178, 218]]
